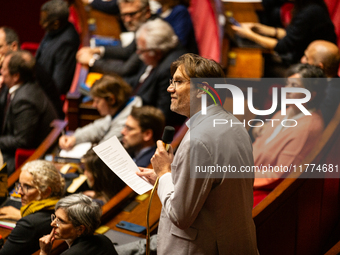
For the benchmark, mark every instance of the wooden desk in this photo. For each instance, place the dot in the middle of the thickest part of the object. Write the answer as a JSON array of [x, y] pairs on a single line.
[[242, 62], [138, 216]]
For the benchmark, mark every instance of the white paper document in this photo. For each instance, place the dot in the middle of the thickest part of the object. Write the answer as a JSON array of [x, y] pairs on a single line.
[[77, 151], [119, 161]]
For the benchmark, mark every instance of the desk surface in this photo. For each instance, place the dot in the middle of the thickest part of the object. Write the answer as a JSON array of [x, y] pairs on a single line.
[[138, 216]]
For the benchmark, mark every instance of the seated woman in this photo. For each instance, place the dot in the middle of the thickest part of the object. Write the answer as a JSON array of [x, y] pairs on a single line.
[[175, 12], [75, 220], [283, 146], [104, 183], [40, 186], [310, 21], [111, 97]]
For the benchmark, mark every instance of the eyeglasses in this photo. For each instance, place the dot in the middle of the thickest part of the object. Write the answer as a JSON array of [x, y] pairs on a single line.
[[130, 14], [25, 187], [141, 51], [174, 83], [58, 221]]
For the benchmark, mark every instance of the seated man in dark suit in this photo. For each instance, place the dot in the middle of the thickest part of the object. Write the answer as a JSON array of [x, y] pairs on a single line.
[[144, 126], [9, 41], [119, 60], [55, 57], [28, 112], [157, 47]]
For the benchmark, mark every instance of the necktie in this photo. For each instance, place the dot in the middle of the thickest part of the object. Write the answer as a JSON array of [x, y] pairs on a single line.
[[8, 101]]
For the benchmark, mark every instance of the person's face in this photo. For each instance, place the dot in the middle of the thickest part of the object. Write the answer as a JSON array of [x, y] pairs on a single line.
[[148, 56], [27, 191], [101, 105], [4, 47], [90, 178], [180, 96], [308, 57], [295, 81], [46, 24], [8, 79], [64, 229], [133, 16], [132, 135]]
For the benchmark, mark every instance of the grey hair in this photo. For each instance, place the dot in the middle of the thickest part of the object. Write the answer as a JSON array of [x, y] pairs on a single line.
[[45, 175], [158, 34], [81, 210], [56, 10], [143, 3]]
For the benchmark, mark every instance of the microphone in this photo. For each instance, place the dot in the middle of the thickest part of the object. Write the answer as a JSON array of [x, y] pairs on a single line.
[[168, 136]]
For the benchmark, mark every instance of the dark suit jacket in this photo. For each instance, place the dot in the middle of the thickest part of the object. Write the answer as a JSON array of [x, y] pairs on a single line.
[[56, 62], [109, 7], [89, 245], [27, 121], [144, 159], [153, 91], [123, 61], [24, 238]]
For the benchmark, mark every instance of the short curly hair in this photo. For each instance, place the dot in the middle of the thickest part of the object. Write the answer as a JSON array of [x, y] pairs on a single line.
[[45, 175]]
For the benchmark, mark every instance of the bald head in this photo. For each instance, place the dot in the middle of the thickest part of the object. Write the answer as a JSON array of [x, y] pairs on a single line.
[[323, 54]]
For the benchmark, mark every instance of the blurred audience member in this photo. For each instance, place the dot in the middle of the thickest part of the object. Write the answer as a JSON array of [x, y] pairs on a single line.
[[55, 57], [104, 182], [283, 146], [143, 128], [115, 59], [311, 21], [28, 112], [325, 55], [9, 41], [111, 97], [40, 186], [157, 47], [176, 13], [75, 220]]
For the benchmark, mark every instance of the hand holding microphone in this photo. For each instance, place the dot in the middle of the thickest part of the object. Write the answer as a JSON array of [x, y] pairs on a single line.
[[163, 156]]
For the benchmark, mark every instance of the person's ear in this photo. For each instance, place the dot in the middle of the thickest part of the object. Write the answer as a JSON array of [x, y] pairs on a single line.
[[46, 193], [14, 46], [16, 77], [147, 135], [55, 25], [200, 92], [321, 65], [111, 100], [312, 96], [80, 230]]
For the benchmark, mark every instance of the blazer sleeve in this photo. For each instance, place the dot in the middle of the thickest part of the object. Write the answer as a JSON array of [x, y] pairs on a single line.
[[24, 239], [115, 66], [93, 132], [109, 7], [184, 198], [118, 52]]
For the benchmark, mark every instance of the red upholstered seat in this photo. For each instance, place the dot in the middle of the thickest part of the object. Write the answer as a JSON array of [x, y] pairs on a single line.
[[21, 155]]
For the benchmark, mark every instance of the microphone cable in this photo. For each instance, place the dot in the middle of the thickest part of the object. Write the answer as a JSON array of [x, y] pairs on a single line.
[[167, 138]]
